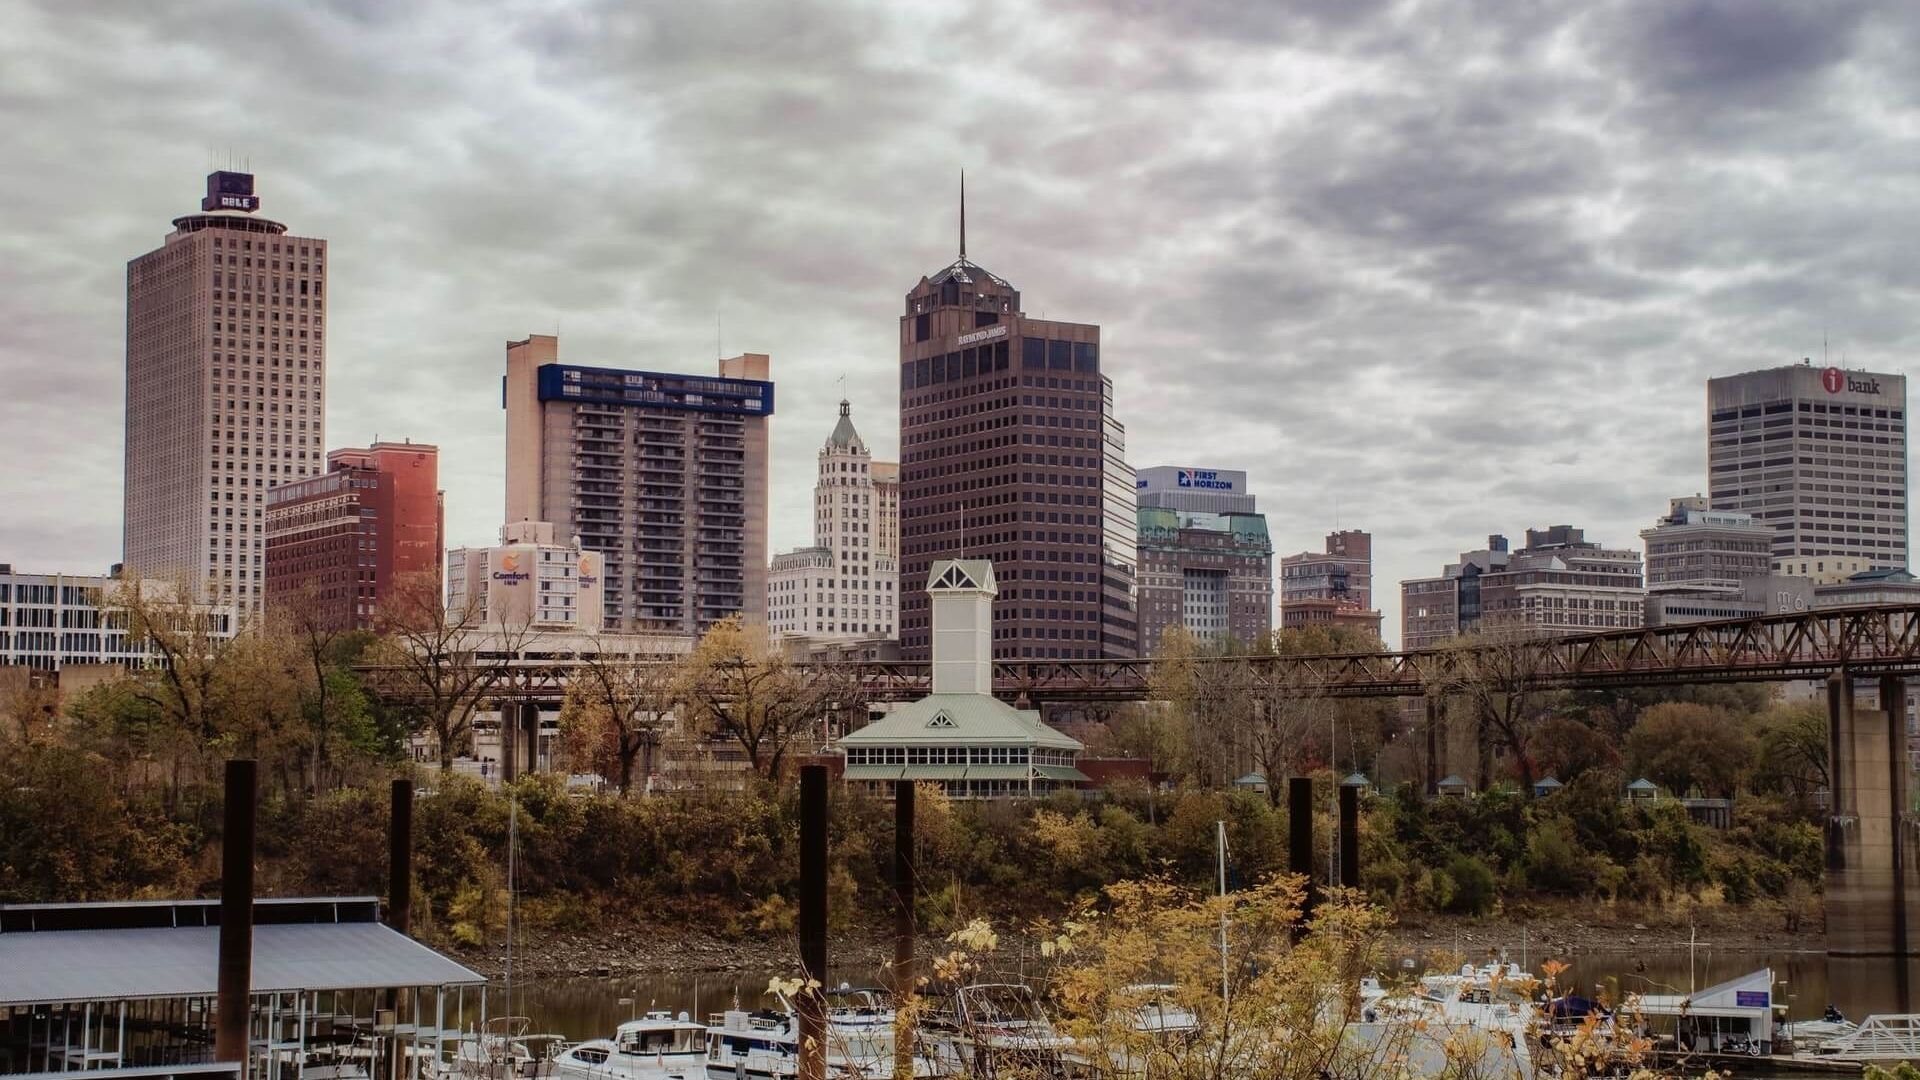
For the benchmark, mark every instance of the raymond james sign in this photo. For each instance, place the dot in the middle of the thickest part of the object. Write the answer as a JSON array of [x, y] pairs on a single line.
[[988, 334]]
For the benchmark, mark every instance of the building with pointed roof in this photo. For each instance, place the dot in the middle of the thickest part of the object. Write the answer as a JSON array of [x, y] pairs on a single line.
[[846, 585], [1010, 452], [960, 736]]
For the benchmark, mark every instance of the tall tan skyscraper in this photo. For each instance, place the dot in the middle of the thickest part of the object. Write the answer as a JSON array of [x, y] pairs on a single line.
[[226, 378], [664, 474], [847, 584]]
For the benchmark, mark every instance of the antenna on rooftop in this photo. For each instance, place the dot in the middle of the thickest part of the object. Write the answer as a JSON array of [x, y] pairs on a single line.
[[963, 215]]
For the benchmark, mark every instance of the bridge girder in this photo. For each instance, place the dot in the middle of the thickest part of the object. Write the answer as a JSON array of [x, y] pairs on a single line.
[[1866, 641]]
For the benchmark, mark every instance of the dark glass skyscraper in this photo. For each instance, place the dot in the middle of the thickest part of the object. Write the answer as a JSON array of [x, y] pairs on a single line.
[[1001, 431]]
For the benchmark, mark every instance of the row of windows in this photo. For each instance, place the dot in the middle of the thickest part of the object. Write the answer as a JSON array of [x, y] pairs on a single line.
[[941, 755]]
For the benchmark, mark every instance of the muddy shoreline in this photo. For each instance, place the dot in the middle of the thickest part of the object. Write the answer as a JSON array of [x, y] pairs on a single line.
[[1561, 932]]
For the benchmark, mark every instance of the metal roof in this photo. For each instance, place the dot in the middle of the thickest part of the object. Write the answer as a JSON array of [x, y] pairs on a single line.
[[959, 720], [163, 962]]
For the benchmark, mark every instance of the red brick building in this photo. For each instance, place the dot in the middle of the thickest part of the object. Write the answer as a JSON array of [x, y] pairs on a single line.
[[348, 535]]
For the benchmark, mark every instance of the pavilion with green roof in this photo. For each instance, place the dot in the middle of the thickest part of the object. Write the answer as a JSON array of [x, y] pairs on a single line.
[[960, 736]]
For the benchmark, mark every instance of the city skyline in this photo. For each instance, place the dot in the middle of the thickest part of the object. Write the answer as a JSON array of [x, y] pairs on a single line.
[[1519, 339]]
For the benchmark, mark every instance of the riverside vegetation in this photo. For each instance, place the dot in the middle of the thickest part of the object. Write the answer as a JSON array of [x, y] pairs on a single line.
[[113, 792]]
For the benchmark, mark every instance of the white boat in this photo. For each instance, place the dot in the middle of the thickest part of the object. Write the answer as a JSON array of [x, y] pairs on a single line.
[[993, 1028], [1481, 1013], [764, 1045], [506, 1050], [658, 1046]]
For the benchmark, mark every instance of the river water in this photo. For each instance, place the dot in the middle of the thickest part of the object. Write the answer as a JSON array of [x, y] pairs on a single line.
[[1806, 982]]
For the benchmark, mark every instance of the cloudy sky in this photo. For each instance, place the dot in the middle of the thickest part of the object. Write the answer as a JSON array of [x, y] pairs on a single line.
[[1434, 269]]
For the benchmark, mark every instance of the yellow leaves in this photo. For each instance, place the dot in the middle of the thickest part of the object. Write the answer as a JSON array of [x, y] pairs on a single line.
[[790, 988], [1072, 840], [976, 936]]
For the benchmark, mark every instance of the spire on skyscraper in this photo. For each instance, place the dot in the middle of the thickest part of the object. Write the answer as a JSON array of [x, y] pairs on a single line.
[[844, 437], [963, 215]]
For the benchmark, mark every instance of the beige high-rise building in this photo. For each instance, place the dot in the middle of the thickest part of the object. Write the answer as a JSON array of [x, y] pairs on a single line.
[[226, 391], [1817, 454], [663, 474], [847, 584]]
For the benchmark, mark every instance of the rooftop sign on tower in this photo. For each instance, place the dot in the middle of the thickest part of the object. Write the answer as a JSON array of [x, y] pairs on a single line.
[[230, 191]]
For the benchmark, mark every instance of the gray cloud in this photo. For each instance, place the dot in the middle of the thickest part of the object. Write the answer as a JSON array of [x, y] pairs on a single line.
[[1437, 268]]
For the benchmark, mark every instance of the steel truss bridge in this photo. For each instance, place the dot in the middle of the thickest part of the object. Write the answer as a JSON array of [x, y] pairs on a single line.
[[1864, 641]]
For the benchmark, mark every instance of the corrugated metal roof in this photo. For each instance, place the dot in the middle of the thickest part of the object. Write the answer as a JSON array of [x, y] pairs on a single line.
[[976, 720], [108, 965]]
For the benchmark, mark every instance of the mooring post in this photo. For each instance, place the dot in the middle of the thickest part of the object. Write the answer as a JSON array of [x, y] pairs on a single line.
[[1349, 836], [904, 891], [233, 1005], [400, 856], [812, 1004], [1300, 836]]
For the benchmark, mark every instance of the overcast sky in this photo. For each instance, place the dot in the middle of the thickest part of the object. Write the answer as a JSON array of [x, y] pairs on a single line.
[[1432, 269]]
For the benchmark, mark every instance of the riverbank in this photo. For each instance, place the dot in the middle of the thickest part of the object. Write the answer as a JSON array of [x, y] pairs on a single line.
[[1561, 931]]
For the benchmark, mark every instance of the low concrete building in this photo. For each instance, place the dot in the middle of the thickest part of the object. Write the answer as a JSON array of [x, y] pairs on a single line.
[[960, 736], [55, 621]]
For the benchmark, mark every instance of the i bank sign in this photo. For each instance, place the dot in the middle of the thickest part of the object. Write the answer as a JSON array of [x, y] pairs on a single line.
[[1204, 479], [1834, 380]]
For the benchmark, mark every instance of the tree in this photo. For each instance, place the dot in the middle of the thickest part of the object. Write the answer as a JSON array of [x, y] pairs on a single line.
[[332, 700], [1490, 672], [618, 707], [28, 701], [738, 684], [1793, 750], [213, 690], [1564, 748], [1686, 747], [430, 655], [1156, 951], [1295, 725], [1207, 712], [184, 684]]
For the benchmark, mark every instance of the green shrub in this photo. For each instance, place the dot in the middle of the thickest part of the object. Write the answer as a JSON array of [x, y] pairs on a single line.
[[1473, 886]]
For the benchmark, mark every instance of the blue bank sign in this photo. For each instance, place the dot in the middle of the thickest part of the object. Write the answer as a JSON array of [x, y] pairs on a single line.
[[1203, 479]]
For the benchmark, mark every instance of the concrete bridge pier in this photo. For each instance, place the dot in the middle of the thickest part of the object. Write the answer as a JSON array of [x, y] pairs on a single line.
[[1436, 756], [1870, 880]]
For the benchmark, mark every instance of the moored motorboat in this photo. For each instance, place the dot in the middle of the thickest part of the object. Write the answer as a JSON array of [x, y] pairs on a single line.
[[657, 1046], [764, 1044]]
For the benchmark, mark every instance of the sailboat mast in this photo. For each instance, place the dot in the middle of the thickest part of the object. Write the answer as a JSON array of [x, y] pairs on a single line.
[[513, 837], [1223, 915]]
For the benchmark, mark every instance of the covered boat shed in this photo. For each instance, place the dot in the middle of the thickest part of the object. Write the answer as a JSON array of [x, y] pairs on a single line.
[[1735, 1016], [132, 986]]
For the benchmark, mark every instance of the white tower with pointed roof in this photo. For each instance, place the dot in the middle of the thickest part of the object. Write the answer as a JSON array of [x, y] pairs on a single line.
[[961, 593], [846, 585]]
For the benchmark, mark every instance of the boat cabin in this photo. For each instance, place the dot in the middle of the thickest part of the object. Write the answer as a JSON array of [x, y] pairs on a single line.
[[1733, 1017], [660, 1033]]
